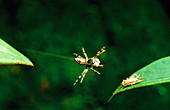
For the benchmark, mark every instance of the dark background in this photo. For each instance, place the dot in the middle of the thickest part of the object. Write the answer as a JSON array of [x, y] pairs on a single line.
[[135, 33]]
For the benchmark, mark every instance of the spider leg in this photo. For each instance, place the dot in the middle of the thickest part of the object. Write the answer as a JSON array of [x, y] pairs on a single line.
[[100, 66], [76, 55], [81, 76], [135, 75], [84, 73], [139, 81], [85, 54], [138, 76], [95, 71], [100, 51], [121, 87]]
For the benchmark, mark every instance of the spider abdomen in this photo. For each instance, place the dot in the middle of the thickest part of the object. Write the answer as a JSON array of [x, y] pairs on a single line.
[[80, 60]]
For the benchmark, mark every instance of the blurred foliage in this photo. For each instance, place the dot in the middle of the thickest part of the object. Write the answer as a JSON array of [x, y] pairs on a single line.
[[134, 32]]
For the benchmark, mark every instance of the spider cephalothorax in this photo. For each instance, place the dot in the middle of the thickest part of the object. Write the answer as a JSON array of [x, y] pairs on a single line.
[[89, 62]]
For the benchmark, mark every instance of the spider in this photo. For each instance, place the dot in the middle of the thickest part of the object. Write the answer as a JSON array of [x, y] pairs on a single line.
[[132, 80], [89, 62]]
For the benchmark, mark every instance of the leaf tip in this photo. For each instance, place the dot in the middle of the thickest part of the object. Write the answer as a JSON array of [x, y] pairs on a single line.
[[110, 98]]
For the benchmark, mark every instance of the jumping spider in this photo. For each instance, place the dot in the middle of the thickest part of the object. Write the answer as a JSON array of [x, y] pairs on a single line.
[[132, 80], [89, 62]]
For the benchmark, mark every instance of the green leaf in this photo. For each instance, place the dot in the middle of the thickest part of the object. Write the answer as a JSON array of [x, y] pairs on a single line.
[[10, 56], [155, 73]]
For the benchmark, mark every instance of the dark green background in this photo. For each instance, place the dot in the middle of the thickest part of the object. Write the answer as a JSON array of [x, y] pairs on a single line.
[[135, 33]]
